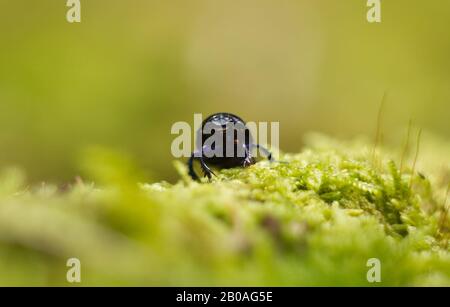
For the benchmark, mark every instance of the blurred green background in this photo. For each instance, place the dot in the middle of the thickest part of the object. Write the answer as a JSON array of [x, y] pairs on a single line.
[[130, 69]]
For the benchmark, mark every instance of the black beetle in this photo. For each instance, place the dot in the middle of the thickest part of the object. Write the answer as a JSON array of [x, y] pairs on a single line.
[[233, 136]]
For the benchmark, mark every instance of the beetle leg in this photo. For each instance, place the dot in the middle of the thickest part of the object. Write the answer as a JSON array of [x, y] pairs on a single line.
[[265, 151], [191, 167], [248, 158], [205, 168]]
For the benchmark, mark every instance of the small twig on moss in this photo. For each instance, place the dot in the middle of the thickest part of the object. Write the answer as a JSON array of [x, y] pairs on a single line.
[[378, 129], [413, 169], [405, 148], [443, 218]]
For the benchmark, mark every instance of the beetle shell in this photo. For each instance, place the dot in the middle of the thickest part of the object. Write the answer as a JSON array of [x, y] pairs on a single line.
[[235, 136], [231, 150]]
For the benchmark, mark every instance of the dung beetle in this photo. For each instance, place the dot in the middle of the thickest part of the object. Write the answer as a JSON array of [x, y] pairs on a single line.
[[224, 141]]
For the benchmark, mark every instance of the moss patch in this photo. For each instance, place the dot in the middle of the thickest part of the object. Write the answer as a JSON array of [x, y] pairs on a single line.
[[315, 220]]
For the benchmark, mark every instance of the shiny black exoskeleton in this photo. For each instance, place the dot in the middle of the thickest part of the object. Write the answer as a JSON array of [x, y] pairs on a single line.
[[233, 150]]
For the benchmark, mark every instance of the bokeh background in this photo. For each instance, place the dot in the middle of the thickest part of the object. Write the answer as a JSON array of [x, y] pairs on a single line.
[[130, 69]]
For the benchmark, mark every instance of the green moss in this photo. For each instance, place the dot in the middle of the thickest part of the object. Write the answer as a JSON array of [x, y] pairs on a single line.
[[314, 220]]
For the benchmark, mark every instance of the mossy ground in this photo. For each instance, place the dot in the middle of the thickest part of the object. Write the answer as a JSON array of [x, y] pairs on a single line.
[[315, 220]]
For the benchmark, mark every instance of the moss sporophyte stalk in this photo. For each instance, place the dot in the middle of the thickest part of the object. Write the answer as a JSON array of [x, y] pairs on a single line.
[[316, 220]]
